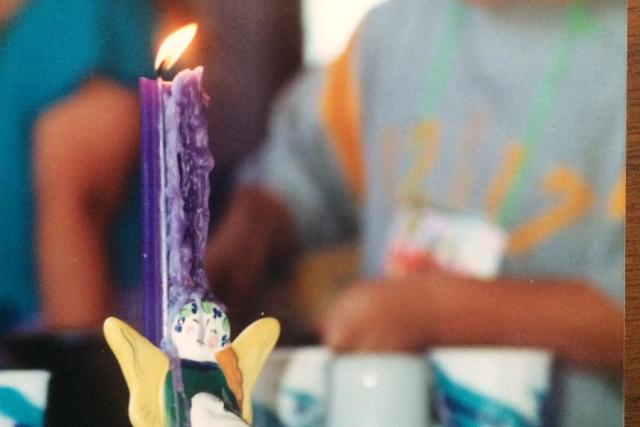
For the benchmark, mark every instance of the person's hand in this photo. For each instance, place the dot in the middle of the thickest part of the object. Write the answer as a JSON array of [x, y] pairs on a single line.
[[237, 252], [440, 308], [386, 315], [255, 227]]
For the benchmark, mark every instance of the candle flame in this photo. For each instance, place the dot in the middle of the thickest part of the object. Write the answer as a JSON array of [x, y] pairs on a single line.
[[173, 46]]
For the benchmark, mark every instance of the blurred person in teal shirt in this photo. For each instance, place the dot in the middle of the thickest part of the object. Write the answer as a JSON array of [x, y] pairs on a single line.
[[68, 145]]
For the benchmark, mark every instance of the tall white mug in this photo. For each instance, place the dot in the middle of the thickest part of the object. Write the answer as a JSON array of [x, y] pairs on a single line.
[[491, 387], [379, 390]]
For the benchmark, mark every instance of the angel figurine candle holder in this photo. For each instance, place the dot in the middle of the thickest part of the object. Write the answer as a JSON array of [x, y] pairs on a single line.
[[208, 379], [187, 371]]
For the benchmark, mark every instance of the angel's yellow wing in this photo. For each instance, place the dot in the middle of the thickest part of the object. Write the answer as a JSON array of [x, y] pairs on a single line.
[[252, 347], [144, 368]]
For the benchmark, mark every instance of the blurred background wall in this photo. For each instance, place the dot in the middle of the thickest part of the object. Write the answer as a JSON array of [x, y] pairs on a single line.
[[251, 48]]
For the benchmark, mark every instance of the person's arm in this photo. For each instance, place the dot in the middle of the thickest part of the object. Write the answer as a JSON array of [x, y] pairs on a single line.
[[571, 318], [257, 228], [8, 9], [84, 151], [291, 195]]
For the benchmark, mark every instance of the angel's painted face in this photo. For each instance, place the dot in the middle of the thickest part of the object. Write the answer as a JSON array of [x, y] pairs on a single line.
[[199, 330]]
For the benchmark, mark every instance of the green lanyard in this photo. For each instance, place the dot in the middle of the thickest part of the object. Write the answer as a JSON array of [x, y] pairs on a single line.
[[435, 85], [444, 56], [579, 22]]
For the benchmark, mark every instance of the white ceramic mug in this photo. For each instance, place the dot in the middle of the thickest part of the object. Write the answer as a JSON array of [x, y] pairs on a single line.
[[379, 390], [23, 397], [491, 386], [291, 391]]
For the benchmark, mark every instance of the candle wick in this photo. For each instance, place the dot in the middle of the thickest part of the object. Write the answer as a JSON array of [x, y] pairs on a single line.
[[160, 69]]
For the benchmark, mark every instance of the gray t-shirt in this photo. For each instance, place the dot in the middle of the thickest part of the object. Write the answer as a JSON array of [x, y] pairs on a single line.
[[519, 115]]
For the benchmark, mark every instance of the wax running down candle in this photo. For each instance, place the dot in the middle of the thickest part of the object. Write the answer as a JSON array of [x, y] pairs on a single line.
[[176, 163]]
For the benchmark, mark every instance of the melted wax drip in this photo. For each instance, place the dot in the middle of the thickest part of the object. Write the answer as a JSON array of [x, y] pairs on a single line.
[[188, 164]]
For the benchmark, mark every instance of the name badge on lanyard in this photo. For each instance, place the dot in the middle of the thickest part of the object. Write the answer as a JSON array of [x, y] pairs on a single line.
[[427, 238]]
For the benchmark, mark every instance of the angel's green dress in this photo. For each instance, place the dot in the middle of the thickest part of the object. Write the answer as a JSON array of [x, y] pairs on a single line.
[[196, 377]]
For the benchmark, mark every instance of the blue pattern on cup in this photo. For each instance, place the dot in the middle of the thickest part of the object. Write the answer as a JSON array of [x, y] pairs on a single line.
[[299, 408], [459, 406], [15, 406], [263, 416]]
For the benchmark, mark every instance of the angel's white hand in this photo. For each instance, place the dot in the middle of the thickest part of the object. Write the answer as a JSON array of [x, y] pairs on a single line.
[[207, 410]]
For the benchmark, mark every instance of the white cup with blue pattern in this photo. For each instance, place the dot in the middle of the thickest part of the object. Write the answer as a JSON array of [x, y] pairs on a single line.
[[487, 387], [291, 391], [23, 397]]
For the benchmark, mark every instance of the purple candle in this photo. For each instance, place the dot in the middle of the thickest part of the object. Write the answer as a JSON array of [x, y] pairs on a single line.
[[152, 281], [176, 163]]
